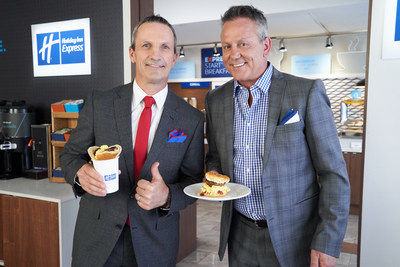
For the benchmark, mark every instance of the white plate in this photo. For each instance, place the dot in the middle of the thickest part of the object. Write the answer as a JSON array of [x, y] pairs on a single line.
[[237, 191]]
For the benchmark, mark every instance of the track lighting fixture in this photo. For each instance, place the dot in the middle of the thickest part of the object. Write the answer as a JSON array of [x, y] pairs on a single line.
[[181, 52], [329, 43], [215, 51], [282, 47]]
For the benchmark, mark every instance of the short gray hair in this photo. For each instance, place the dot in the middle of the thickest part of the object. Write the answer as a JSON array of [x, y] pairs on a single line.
[[249, 12], [152, 18]]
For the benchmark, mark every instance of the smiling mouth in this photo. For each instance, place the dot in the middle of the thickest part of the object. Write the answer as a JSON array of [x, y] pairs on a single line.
[[238, 65], [155, 66]]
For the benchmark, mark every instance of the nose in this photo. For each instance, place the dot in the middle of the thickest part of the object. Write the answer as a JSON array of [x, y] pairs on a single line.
[[235, 52], [155, 53]]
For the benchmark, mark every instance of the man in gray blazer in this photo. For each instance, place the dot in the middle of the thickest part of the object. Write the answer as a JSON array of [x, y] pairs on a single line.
[[139, 224], [275, 133]]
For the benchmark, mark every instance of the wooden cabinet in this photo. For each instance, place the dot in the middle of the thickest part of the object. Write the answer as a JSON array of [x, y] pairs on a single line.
[[187, 231], [30, 232], [199, 93], [37, 222], [60, 120], [354, 170]]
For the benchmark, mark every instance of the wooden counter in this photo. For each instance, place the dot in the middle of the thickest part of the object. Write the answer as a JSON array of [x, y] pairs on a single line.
[[37, 222]]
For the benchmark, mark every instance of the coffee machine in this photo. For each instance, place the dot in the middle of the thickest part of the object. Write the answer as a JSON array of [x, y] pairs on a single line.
[[16, 118]]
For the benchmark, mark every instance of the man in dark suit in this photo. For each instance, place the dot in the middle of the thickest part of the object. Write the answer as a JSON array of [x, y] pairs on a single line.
[[275, 133], [139, 224]]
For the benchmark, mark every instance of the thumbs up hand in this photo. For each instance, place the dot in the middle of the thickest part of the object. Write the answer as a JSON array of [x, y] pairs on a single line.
[[154, 194]]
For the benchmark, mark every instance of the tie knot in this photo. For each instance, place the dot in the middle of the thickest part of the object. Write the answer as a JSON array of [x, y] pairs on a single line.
[[148, 101]]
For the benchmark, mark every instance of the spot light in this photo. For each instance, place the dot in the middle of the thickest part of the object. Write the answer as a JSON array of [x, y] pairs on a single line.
[[181, 52], [282, 47], [215, 51], [329, 43]]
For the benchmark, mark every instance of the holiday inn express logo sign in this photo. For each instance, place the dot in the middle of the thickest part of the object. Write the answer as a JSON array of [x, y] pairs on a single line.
[[65, 47], [61, 48]]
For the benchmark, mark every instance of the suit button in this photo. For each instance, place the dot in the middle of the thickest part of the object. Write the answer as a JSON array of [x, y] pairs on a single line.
[[132, 196]]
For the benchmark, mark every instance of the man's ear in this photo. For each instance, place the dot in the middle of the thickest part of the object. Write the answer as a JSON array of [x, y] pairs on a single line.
[[175, 57], [132, 54], [267, 46]]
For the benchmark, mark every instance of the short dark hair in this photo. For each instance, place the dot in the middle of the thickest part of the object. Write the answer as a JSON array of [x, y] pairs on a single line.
[[250, 12], [149, 19]]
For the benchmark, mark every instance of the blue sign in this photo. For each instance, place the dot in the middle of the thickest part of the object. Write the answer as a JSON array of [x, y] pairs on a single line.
[[212, 66], [183, 70], [311, 64], [66, 47], [73, 46], [61, 48], [48, 45], [195, 84]]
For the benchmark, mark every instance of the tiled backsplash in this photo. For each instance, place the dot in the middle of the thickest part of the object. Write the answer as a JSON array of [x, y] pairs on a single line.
[[339, 89]]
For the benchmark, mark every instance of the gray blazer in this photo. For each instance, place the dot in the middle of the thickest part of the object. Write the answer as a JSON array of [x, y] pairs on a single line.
[[106, 119], [305, 182]]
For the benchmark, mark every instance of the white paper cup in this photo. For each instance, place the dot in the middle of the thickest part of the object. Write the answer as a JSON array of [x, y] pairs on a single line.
[[109, 169]]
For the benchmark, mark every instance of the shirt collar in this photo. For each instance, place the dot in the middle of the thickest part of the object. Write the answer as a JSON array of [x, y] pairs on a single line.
[[139, 94], [263, 83]]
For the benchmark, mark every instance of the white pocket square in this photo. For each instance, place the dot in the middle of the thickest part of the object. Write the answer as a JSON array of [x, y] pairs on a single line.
[[294, 118], [291, 116]]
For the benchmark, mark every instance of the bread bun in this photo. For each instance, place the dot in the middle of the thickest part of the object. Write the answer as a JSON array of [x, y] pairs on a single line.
[[214, 185], [217, 178], [104, 152]]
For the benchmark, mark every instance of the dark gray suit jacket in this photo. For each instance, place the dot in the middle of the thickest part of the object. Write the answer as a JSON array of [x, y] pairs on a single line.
[[305, 182], [106, 119]]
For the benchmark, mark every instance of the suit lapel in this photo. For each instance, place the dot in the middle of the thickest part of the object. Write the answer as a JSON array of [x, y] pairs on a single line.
[[122, 109], [228, 120], [276, 93]]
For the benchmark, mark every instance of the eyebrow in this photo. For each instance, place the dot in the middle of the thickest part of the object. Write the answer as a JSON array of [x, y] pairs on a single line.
[[162, 42], [238, 41]]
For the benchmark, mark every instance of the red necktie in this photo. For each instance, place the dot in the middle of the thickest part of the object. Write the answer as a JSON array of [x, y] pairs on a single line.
[[142, 139], [142, 136]]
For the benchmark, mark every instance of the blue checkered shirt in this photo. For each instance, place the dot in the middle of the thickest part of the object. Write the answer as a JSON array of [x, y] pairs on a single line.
[[249, 130]]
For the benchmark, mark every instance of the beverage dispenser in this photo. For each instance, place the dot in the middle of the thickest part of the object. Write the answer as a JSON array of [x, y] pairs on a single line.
[[16, 118]]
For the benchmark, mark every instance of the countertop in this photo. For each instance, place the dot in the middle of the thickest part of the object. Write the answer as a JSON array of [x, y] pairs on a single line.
[[351, 144], [41, 189]]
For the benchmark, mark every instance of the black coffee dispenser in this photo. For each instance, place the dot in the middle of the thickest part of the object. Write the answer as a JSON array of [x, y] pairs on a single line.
[[16, 118]]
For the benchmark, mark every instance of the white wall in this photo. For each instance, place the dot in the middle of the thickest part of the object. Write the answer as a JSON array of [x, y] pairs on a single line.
[[380, 230], [342, 44], [126, 22]]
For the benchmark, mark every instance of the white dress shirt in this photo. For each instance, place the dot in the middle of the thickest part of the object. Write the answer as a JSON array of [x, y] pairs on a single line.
[[156, 111]]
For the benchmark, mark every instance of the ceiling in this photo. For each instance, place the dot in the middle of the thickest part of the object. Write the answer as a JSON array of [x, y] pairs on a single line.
[[339, 19]]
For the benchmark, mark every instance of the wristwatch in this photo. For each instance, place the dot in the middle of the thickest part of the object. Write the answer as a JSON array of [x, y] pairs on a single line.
[[76, 180], [167, 204]]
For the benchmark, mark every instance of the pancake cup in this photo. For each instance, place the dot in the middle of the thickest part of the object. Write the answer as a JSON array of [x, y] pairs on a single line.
[[109, 169]]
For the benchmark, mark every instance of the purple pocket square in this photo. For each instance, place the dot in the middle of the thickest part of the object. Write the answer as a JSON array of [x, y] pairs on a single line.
[[176, 136]]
